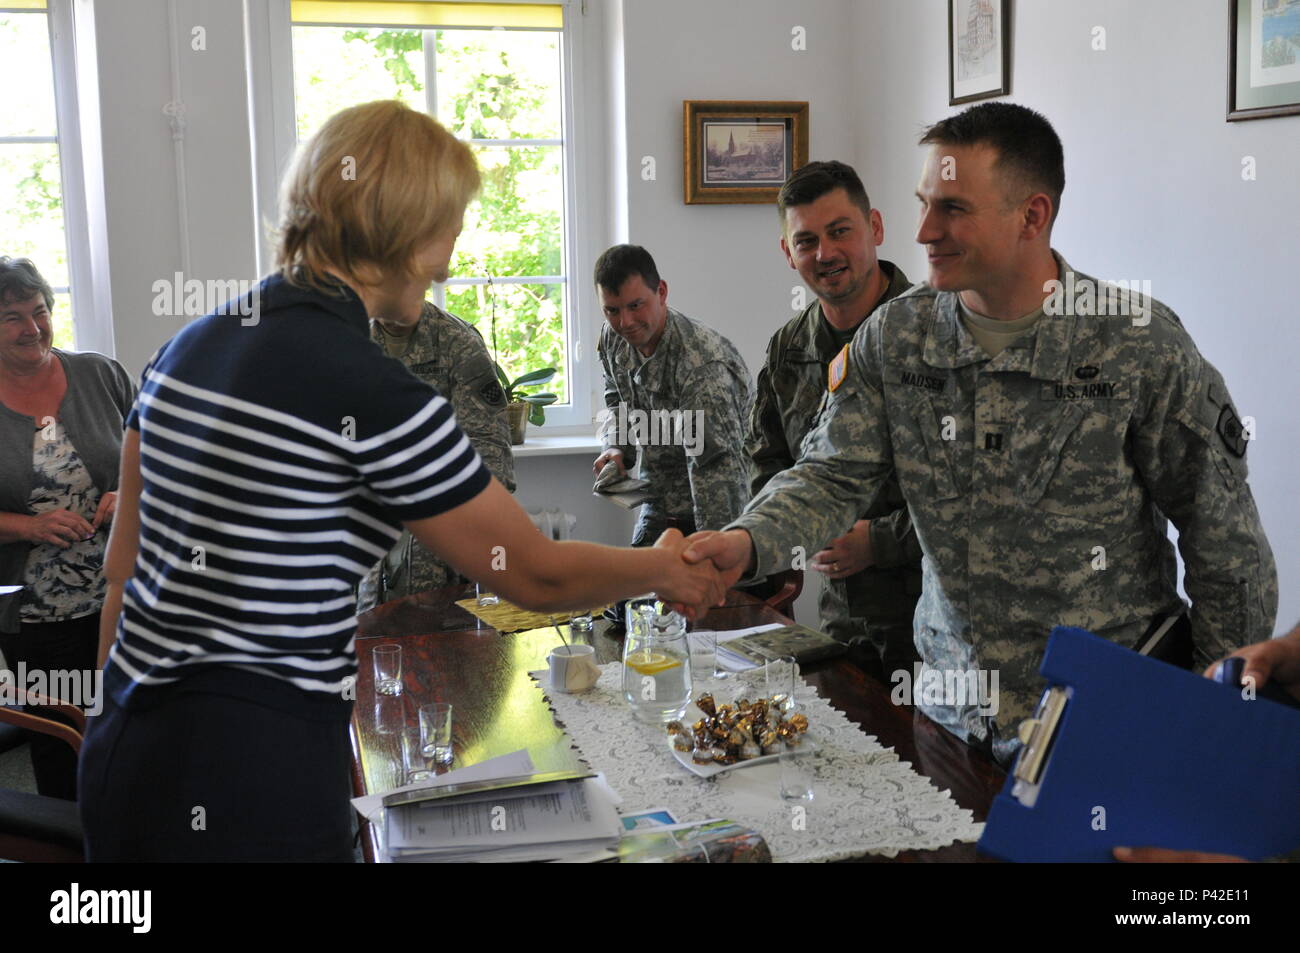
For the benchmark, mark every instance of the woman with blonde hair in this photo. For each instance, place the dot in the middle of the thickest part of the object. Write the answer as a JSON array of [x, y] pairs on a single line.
[[272, 457]]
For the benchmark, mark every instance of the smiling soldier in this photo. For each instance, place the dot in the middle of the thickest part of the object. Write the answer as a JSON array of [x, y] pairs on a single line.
[[872, 567], [1038, 501]]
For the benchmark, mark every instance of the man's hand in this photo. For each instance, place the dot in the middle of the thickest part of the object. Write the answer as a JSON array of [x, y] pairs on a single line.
[[1163, 855], [693, 589], [60, 527], [731, 552], [104, 514], [847, 554], [608, 455], [1273, 660]]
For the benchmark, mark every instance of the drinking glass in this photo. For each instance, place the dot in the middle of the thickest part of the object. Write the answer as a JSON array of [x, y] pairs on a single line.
[[388, 669], [435, 732], [415, 764], [797, 772]]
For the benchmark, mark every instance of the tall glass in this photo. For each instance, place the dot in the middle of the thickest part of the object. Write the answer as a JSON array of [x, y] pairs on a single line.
[[656, 662]]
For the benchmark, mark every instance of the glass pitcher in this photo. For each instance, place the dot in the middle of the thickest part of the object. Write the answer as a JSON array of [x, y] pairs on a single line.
[[656, 662]]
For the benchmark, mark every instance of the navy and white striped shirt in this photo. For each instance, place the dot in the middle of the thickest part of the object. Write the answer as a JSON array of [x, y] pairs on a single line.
[[278, 460]]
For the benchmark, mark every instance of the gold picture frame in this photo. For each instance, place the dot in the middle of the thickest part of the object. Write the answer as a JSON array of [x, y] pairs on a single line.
[[719, 170]]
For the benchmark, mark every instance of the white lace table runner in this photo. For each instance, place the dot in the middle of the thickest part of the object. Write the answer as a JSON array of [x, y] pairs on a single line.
[[865, 800]]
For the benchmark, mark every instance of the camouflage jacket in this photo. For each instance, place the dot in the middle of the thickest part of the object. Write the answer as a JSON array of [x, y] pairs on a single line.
[[791, 385], [449, 355], [685, 408], [1038, 481]]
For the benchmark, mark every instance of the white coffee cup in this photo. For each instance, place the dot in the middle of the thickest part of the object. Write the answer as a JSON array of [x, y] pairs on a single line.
[[573, 668]]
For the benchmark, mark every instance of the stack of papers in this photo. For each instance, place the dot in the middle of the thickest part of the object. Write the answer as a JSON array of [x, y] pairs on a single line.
[[495, 811], [553, 821]]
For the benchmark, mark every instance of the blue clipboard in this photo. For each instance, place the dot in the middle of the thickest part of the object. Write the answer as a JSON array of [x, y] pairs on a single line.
[[1127, 750]]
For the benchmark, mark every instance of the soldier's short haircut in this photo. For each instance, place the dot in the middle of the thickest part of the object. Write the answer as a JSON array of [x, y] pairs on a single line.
[[810, 182], [1029, 151], [619, 263], [19, 280]]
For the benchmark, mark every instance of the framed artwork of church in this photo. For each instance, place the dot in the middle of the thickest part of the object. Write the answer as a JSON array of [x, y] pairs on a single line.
[[741, 152]]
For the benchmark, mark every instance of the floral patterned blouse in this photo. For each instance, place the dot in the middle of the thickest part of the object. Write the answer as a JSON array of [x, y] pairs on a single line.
[[63, 583]]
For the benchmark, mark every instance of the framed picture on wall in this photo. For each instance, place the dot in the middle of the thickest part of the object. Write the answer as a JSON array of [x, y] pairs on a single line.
[[741, 152], [979, 50], [1264, 59]]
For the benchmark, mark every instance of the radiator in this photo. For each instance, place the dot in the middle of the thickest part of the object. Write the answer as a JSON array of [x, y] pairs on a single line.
[[554, 523]]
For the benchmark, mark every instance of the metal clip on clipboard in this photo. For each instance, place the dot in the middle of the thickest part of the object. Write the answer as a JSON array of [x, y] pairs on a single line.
[[1038, 734]]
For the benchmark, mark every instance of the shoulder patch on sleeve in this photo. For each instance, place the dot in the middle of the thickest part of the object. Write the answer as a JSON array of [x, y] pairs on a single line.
[[492, 394], [837, 369], [1232, 432]]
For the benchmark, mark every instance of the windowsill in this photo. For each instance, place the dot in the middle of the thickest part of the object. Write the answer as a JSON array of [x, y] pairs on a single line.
[[538, 444]]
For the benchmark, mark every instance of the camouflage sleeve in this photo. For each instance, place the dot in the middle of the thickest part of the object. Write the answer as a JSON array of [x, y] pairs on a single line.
[[714, 403], [846, 458], [766, 443], [608, 431], [893, 540], [1190, 449], [480, 405]]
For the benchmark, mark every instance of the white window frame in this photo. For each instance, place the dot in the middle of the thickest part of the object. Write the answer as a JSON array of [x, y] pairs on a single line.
[[271, 107], [92, 322]]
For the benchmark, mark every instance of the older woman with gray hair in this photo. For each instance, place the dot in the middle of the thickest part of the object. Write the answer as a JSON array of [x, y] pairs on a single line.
[[61, 420]]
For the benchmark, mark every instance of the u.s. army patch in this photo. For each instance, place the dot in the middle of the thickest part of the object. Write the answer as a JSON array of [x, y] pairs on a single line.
[[1231, 431], [492, 394], [837, 369]]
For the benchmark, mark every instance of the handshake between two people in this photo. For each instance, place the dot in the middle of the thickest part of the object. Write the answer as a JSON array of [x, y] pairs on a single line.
[[708, 564]]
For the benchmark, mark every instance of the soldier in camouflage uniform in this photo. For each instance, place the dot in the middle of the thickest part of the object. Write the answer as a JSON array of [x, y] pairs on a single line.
[[449, 355], [1038, 478], [689, 380], [873, 572]]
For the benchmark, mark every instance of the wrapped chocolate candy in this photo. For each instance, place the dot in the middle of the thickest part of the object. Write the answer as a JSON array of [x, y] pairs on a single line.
[[737, 732]]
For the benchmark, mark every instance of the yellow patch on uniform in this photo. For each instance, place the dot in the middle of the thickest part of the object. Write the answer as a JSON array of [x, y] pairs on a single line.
[[837, 369]]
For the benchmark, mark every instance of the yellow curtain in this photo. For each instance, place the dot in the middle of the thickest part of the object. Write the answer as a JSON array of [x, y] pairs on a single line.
[[414, 13]]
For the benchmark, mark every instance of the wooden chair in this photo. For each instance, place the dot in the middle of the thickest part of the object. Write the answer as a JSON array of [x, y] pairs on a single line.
[[34, 828], [787, 586]]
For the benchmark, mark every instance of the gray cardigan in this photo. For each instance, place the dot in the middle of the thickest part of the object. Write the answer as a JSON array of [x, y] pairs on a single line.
[[93, 412]]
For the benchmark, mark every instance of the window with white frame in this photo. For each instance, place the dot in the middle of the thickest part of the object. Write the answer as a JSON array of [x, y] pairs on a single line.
[[31, 169], [496, 76]]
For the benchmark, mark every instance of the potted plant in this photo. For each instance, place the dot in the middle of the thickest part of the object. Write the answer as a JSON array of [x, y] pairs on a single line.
[[520, 407]]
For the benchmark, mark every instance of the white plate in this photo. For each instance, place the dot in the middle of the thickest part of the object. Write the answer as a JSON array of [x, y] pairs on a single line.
[[808, 746]]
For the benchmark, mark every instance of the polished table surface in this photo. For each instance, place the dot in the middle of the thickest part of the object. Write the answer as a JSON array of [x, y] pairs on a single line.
[[448, 655]]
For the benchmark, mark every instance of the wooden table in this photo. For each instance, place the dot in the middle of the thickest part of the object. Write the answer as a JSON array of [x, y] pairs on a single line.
[[448, 655]]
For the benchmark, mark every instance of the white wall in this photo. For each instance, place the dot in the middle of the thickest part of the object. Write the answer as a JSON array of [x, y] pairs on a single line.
[[1153, 188], [722, 263]]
